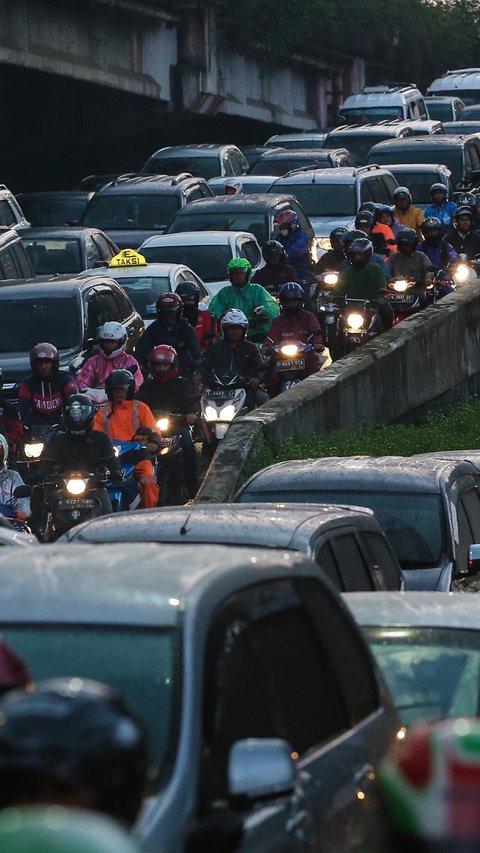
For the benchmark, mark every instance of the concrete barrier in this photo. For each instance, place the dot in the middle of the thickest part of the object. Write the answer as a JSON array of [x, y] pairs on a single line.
[[411, 365]]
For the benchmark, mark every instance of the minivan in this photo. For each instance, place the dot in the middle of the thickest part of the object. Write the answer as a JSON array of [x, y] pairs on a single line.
[[359, 139], [461, 154], [376, 103], [464, 83]]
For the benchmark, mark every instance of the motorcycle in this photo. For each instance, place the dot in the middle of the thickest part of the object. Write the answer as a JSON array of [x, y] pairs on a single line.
[[170, 464], [224, 399], [358, 323], [35, 438], [463, 271], [125, 495], [327, 307], [289, 362], [405, 297], [64, 501], [8, 510]]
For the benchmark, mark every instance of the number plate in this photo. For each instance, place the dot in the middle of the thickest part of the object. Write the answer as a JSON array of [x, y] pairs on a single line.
[[295, 364], [404, 298], [166, 442], [71, 503], [219, 394]]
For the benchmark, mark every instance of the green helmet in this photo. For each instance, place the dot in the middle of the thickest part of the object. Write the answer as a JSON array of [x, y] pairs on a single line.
[[239, 264], [55, 829]]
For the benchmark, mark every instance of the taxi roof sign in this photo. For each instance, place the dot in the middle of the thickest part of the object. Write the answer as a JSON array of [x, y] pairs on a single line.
[[128, 258]]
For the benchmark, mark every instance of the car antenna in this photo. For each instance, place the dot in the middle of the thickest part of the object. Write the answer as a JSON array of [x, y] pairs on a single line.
[[184, 528]]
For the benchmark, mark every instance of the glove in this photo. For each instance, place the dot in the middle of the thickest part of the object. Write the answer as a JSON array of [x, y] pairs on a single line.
[[21, 516]]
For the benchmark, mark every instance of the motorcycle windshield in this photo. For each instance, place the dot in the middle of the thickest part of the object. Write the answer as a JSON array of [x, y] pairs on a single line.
[[228, 379]]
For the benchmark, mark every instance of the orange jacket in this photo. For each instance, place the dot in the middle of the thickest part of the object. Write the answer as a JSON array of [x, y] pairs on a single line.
[[123, 420], [380, 228]]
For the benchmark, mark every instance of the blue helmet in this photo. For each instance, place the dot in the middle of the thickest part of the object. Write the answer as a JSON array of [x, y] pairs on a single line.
[[290, 293]]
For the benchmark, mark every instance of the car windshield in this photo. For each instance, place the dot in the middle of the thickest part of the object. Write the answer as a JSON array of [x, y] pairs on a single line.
[[28, 321], [144, 291], [418, 183], [451, 157], [439, 111], [50, 255], [256, 222], [56, 210], [363, 115], [147, 212], [322, 199], [413, 522], [208, 261], [141, 663], [432, 672], [202, 167], [282, 165], [359, 144]]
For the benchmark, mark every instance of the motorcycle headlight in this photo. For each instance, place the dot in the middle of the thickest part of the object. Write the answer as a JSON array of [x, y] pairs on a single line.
[[210, 413], [400, 286], [331, 278], [163, 424], [116, 449], [76, 486], [34, 450], [227, 413], [289, 349], [355, 321], [462, 272]]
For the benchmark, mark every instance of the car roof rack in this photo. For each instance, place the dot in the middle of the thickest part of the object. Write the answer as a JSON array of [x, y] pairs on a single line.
[[182, 176]]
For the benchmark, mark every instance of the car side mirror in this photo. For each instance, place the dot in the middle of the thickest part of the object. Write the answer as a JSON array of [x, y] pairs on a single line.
[[261, 767], [473, 565], [22, 492]]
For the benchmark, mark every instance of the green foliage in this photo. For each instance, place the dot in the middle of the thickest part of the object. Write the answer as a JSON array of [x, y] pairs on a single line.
[[454, 428]]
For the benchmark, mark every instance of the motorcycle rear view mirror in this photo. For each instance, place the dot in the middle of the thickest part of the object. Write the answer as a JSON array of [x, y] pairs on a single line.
[[22, 492]]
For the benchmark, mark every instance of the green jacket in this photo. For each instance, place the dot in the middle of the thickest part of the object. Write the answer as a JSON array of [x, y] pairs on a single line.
[[362, 284], [246, 299]]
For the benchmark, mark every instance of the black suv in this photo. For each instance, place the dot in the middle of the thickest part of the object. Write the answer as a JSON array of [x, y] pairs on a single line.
[[66, 311], [460, 154], [134, 207]]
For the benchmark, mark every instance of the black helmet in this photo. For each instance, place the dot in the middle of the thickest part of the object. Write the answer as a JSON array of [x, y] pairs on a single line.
[[78, 414], [466, 200], [350, 236], [81, 735], [189, 289], [338, 233], [407, 237], [365, 217], [431, 223], [463, 211], [120, 379], [273, 247], [359, 252], [368, 205]]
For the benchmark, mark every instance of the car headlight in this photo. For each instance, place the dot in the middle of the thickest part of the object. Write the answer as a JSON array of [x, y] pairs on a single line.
[[289, 349], [462, 272], [355, 321], [227, 413], [400, 286], [76, 486], [331, 278], [34, 450], [163, 424], [210, 413], [323, 243]]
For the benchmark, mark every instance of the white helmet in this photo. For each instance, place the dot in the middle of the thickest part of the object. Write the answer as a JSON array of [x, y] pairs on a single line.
[[112, 331], [233, 184], [4, 445], [234, 317]]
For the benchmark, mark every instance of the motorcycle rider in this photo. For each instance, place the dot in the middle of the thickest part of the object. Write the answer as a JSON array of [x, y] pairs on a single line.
[[441, 207], [296, 243], [433, 245], [277, 270], [381, 235], [408, 261], [365, 221], [167, 392], [443, 284], [386, 216], [173, 329], [10, 424], [9, 480], [379, 260], [127, 419], [407, 214], [256, 303], [233, 186], [112, 340], [81, 447], [204, 322], [71, 741], [235, 352], [43, 394], [362, 279], [332, 260], [461, 235], [294, 324]]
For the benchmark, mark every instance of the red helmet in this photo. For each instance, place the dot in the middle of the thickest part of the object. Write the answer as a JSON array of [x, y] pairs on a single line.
[[164, 354], [169, 304], [13, 672], [287, 218], [45, 351]]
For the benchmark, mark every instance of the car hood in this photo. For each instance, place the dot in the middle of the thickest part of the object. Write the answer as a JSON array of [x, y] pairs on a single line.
[[126, 239], [322, 225], [16, 366]]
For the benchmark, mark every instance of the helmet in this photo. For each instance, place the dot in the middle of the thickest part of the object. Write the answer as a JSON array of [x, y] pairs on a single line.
[[383, 208], [4, 451], [239, 265], [407, 237], [337, 234], [463, 211], [430, 786], [234, 317], [82, 735], [431, 223], [164, 354], [189, 289], [286, 219], [78, 414], [350, 236], [45, 351], [13, 672], [365, 217], [368, 205], [402, 192], [359, 252], [466, 200], [438, 186], [444, 278], [273, 247], [54, 829], [112, 332], [233, 184], [289, 293], [120, 379], [169, 305]]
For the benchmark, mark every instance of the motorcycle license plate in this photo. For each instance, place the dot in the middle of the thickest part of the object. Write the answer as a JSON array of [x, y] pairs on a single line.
[[295, 364], [70, 503], [166, 442], [219, 394], [404, 298]]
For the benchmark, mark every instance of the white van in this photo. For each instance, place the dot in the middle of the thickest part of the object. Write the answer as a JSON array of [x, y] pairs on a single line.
[[462, 82], [377, 103]]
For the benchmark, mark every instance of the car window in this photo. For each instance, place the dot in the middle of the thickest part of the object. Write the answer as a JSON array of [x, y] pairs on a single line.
[[473, 149], [326, 560], [249, 250], [304, 223], [123, 304], [380, 559], [7, 216], [366, 190], [378, 192], [470, 501], [101, 309], [8, 266], [465, 538], [390, 185], [227, 166], [21, 259], [351, 564], [103, 247], [194, 195]]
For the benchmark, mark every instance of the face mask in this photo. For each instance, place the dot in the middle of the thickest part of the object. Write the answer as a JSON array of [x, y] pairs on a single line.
[[284, 232]]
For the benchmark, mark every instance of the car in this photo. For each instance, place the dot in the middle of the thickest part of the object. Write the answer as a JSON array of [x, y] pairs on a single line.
[[11, 214], [58, 207], [254, 681], [424, 127], [419, 177], [428, 508], [471, 113], [144, 282], [384, 103], [428, 649], [207, 252], [291, 141], [443, 107], [134, 207], [66, 311], [460, 154], [16, 538], [282, 162], [252, 213], [252, 153], [251, 184], [14, 261], [204, 160], [464, 83], [332, 197], [320, 532], [62, 250], [461, 128], [359, 138]]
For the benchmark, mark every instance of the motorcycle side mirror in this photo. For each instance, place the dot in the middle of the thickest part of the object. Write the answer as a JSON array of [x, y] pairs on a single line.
[[22, 492], [89, 343]]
